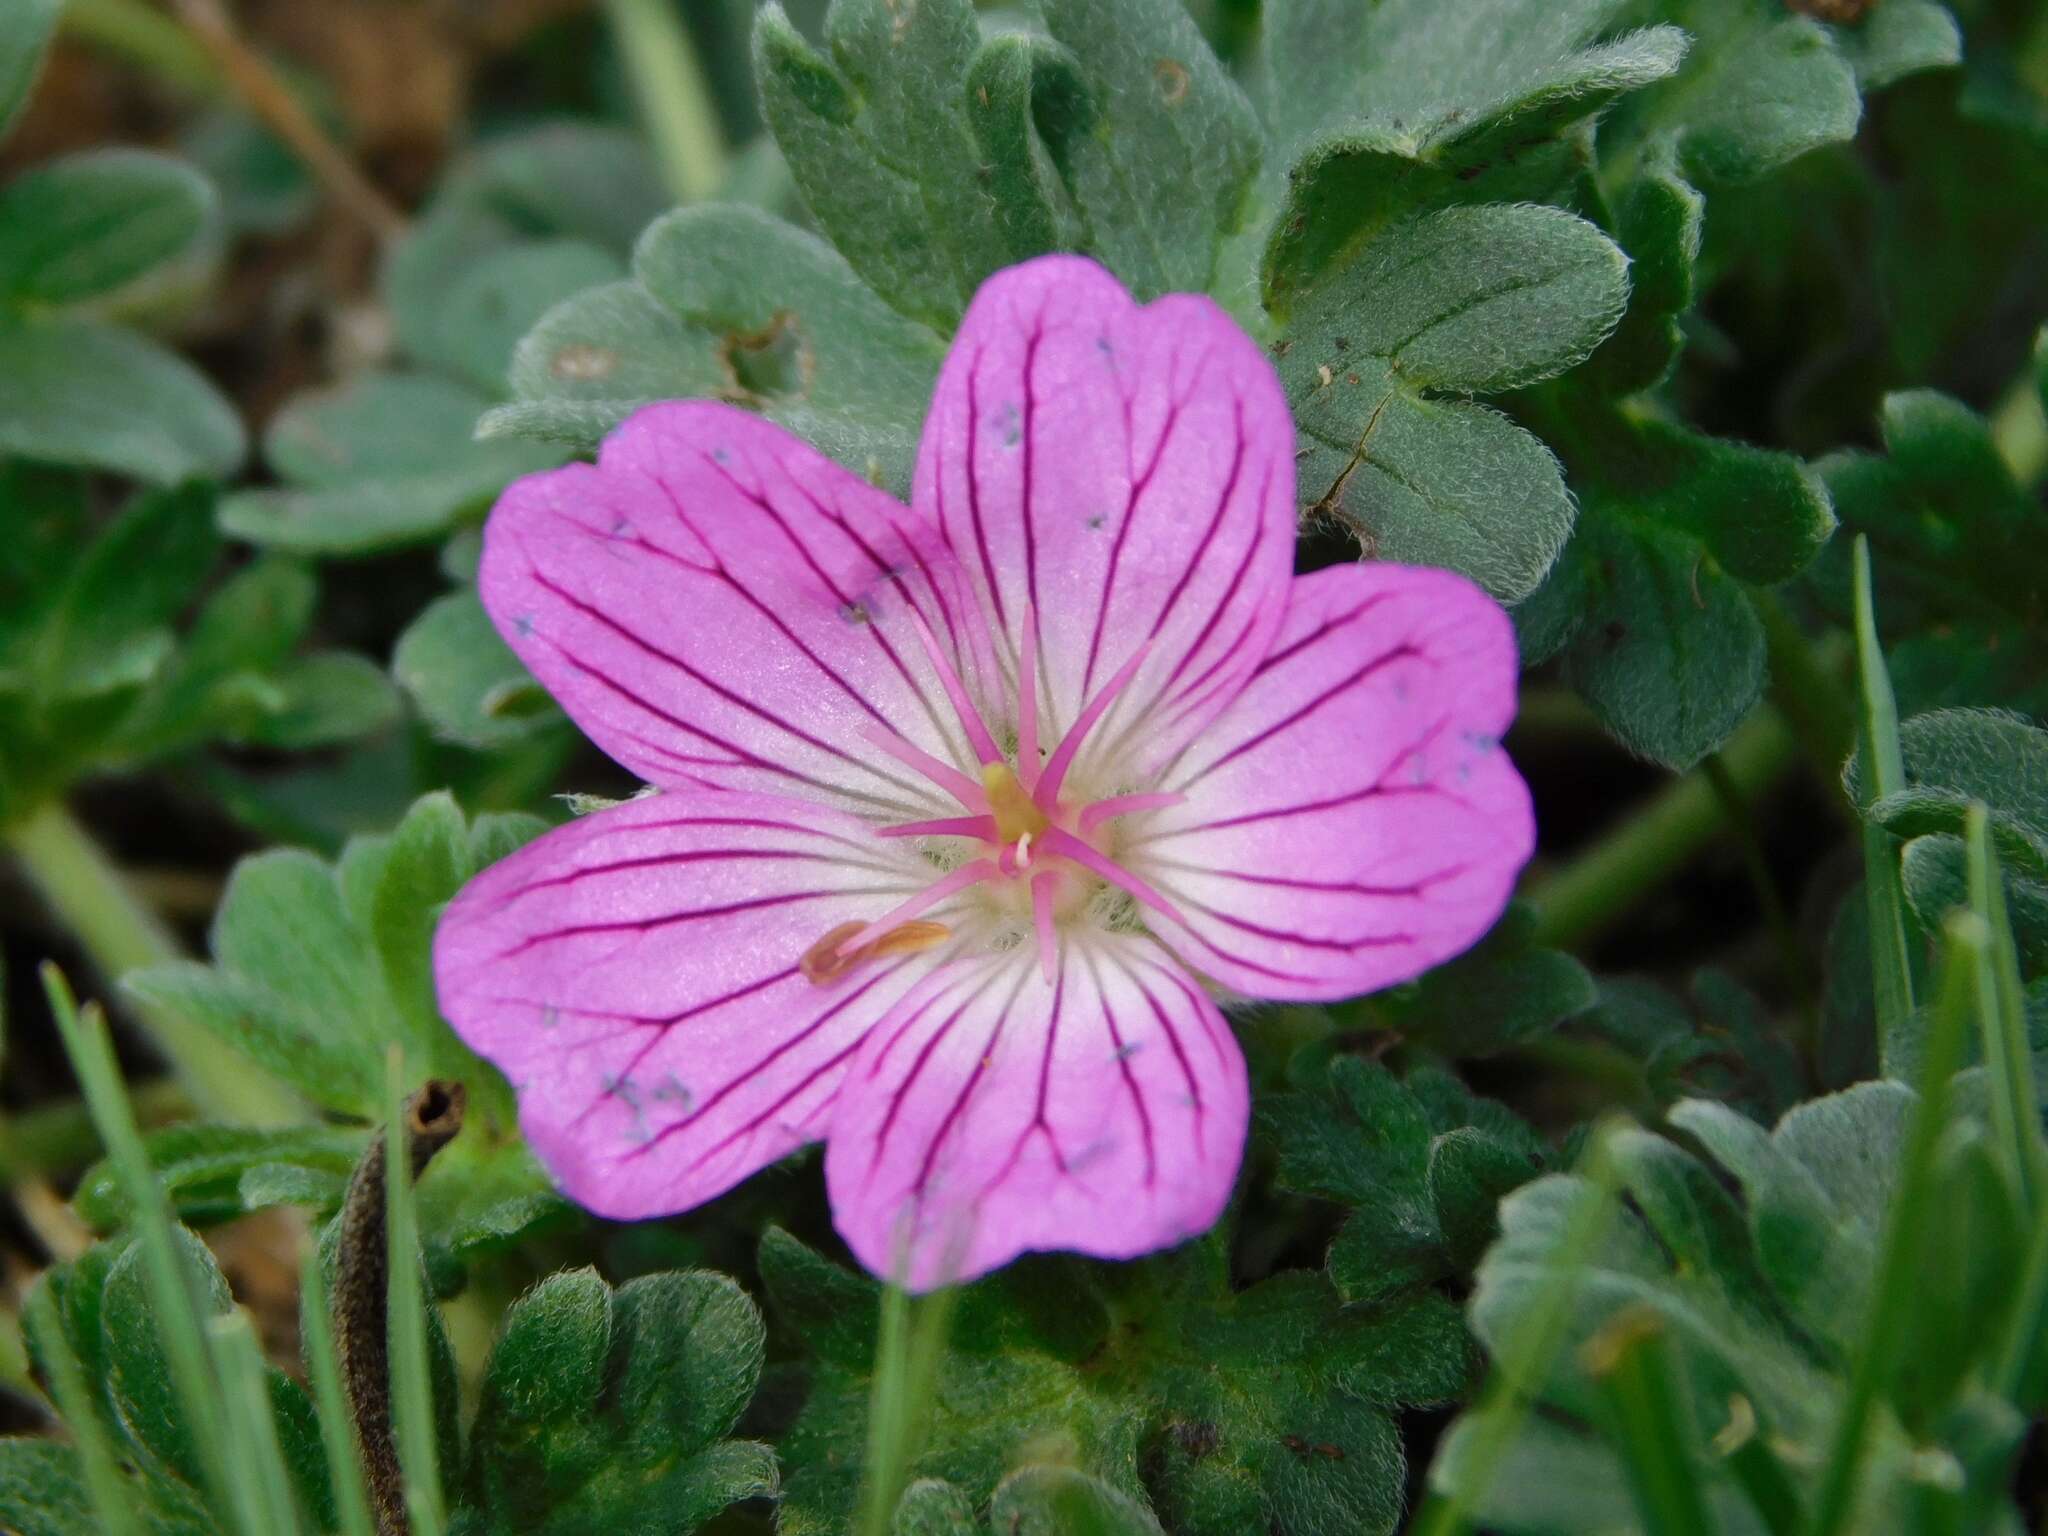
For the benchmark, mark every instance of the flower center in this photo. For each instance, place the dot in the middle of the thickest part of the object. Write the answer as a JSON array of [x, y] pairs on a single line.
[[1017, 815], [1037, 852]]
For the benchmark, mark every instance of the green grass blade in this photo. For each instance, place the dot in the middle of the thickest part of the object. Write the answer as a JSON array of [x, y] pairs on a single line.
[[1884, 773], [1526, 1356], [263, 1487], [2001, 1012], [178, 1316], [1892, 1293], [1632, 1363], [2021, 1353], [113, 1501], [412, 1393], [323, 1371]]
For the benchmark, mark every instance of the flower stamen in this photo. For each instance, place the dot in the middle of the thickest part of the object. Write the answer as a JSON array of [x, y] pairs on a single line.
[[945, 775], [1048, 789], [970, 718], [971, 873], [824, 965]]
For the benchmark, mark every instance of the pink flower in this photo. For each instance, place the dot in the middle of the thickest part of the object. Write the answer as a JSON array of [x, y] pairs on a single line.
[[971, 810]]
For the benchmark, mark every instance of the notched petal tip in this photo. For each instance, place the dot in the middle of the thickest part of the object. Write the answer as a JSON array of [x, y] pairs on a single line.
[[992, 1114]]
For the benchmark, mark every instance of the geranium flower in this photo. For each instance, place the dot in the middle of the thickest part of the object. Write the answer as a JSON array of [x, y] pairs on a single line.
[[972, 811]]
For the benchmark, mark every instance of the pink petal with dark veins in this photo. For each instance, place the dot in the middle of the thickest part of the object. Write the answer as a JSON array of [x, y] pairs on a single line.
[[1351, 820], [636, 975], [715, 602], [998, 1112], [1114, 475]]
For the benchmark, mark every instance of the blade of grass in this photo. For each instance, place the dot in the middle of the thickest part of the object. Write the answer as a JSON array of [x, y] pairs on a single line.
[[88, 893], [1631, 1362], [2020, 1355], [112, 1500], [176, 1309], [1746, 1452], [263, 1486], [412, 1393], [1526, 1355], [2001, 1011], [1884, 773], [1892, 1294], [323, 1371]]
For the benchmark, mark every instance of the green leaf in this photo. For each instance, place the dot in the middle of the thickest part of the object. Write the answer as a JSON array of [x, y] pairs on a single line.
[[139, 1381], [1253, 1408], [82, 226], [318, 967], [1146, 91], [76, 392], [1897, 39], [505, 293], [1460, 301], [1657, 220], [1761, 1298], [385, 461], [594, 359], [1496, 995], [609, 1408], [202, 1167], [486, 260], [1380, 111], [31, 23], [931, 1507], [1956, 756], [879, 141], [1760, 87], [110, 625], [1671, 655], [465, 680], [1059, 1501], [42, 1487], [1934, 871], [780, 320], [1367, 1140]]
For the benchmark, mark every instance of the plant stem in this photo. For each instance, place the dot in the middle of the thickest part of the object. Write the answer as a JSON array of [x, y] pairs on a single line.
[[669, 85], [1810, 684], [278, 109], [1802, 975], [1599, 886], [92, 900]]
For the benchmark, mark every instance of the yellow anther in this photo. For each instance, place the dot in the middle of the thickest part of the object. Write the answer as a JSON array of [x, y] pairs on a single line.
[[823, 965], [1016, 815]]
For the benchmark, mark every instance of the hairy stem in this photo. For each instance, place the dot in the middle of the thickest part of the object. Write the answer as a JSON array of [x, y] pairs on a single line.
[[1597, 888], [362, 1276], [92, 900], [279, 110]]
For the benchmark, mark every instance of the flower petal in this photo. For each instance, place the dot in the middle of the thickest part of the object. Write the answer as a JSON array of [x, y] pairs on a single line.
[[1351, 820], [1114, 474], [715, 602], [637, 976], [995, 1113]]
